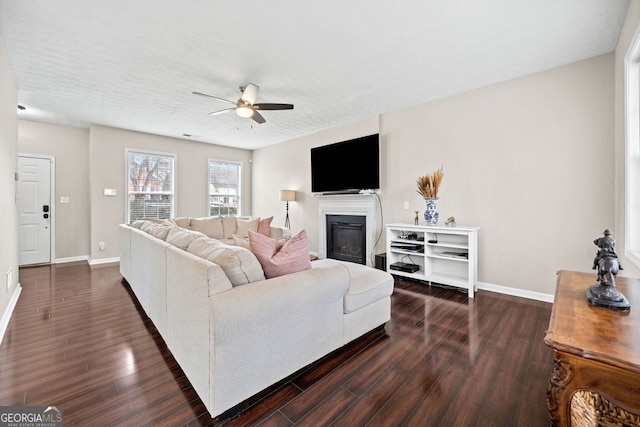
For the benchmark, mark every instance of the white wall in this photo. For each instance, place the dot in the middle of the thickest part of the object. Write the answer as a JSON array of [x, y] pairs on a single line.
[[107, 170], [529, 161], [70, 147], [8, 188]]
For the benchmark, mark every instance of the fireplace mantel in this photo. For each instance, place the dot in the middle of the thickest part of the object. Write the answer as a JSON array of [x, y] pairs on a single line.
[[348, 204]]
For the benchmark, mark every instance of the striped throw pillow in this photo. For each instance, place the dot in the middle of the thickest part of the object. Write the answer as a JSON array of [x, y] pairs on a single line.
[[278, 259]]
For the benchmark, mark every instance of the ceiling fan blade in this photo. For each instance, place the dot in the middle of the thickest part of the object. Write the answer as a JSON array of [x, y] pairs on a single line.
[[258, 117], [267, 106], [214, 97], [250, 93], [226, 110]]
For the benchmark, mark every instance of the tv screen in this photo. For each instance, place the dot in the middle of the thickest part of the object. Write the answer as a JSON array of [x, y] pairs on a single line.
[[351, 165]]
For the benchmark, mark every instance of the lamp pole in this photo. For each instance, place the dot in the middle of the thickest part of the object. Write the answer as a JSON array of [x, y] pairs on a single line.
[[286, 221]]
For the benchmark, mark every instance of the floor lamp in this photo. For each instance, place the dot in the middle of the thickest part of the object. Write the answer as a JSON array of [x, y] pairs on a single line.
[[287, 196]]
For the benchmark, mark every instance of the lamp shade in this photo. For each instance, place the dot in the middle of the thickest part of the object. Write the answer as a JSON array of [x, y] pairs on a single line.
[[288, 195]]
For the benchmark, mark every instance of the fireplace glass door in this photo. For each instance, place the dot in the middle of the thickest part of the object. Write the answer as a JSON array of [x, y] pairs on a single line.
[[346, 238]]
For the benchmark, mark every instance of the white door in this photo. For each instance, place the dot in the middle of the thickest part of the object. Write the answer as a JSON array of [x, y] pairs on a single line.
[[34, 210]]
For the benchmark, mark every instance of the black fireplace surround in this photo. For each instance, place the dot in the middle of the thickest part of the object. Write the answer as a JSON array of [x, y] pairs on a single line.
[[346, 237]]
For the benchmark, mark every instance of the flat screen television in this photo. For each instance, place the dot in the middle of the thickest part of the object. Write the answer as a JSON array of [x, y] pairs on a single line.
[[347, 166]]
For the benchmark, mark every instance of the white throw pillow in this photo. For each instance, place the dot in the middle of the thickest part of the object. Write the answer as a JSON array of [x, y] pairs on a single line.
[[211, 226], [246, 225], [229, 225]]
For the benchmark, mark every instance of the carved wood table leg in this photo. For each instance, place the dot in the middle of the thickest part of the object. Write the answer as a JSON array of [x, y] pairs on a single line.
[[619, 388]]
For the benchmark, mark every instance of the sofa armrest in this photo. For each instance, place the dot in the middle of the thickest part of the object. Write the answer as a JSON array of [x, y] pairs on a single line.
[[267, 330]]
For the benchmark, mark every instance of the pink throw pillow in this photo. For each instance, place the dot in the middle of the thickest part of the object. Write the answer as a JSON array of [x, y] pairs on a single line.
[[278, 259], [264, 226]]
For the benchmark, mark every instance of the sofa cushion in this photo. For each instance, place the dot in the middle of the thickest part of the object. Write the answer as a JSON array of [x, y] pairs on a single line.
[[246, 225], [146, 226], [239, 264], [161, 231], [278, 259], [229, 226], [212, 226], [183, 221], [138, 223], [264, 226], [243, 242], [181, 237]]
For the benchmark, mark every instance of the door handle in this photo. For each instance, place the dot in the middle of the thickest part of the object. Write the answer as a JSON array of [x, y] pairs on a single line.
[[46, 216]]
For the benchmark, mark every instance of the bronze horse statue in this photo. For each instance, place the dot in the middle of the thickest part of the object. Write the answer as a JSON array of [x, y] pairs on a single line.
[[608, 267], [604, 294]]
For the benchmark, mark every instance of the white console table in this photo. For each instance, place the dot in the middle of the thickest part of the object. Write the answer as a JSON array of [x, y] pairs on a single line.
[[445, 255]]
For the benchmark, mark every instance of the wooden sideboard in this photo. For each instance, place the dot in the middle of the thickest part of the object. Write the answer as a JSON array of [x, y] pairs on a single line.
[[596, 375]]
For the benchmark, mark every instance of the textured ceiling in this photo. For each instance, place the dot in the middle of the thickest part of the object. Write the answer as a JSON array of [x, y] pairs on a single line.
[[133, 64]]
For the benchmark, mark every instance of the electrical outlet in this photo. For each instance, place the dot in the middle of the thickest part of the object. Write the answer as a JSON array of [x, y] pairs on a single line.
[[406, 205], [101, 246], [9, 278]]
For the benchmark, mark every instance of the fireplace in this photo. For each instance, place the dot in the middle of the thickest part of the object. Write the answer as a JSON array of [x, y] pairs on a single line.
[[363, 206], [347, 238]]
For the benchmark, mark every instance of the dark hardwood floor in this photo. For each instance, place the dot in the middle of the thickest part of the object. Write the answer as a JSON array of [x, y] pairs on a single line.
[[79, 340]]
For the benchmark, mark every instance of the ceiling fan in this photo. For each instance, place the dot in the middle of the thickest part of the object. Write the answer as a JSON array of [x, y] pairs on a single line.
[[246, 106]]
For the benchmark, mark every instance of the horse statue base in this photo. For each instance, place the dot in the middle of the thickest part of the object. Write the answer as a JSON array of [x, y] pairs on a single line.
[[605, 296]]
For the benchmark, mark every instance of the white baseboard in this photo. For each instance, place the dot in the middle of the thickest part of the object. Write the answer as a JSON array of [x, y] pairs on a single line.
[[72, 259], [539, 296], [6, 316], [104, 261]]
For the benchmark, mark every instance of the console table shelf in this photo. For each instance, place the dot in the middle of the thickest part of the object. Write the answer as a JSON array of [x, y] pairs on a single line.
[[442, 254]]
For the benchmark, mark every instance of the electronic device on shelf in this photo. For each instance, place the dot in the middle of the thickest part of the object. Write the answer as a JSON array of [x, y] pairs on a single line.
[[405, 267], [412, 247], [461, 255], [409, 235]]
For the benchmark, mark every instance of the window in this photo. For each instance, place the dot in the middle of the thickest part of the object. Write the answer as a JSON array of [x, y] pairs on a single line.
[[632, 152], [224, 187], [150, 184]]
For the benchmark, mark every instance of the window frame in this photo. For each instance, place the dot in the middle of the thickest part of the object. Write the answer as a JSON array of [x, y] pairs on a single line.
[[239, 186], [632, 149], [174, 179]]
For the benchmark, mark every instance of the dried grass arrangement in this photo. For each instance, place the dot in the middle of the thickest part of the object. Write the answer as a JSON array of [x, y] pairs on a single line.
[[429, 185]]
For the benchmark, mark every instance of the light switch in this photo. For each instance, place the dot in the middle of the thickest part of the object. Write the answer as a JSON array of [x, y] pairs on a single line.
[[64, 199], [109, 191]]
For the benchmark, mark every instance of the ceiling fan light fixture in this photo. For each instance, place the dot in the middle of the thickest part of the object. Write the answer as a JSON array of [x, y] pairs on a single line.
[[244, 111]]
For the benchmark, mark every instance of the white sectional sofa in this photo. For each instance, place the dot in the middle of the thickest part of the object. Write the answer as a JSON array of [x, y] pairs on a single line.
[[234, 341]]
